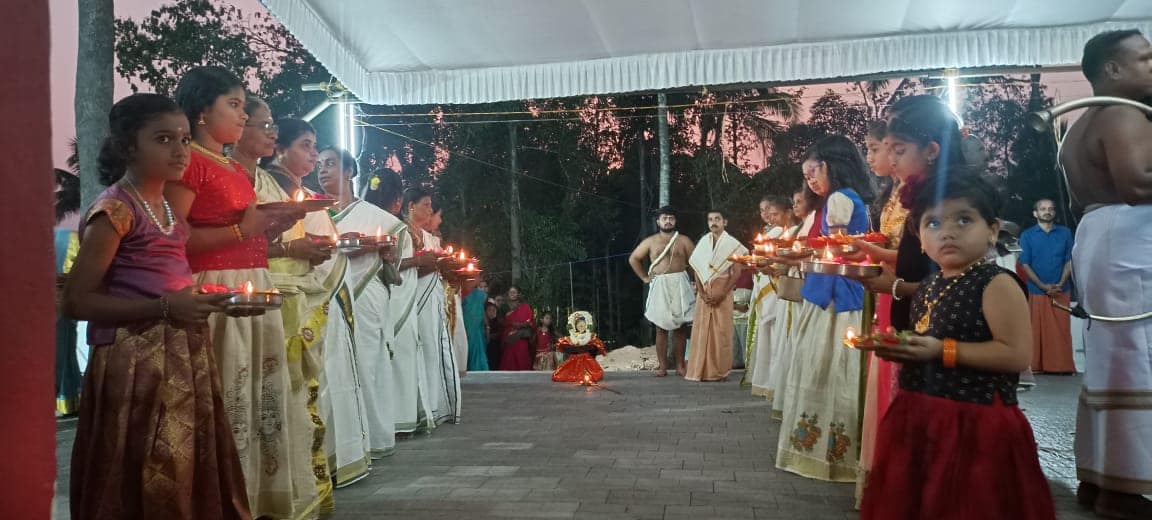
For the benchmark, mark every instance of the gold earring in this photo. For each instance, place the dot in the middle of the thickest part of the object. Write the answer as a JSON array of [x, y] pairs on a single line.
[[201, 122]]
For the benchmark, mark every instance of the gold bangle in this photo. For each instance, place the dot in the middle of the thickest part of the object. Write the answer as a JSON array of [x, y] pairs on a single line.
[[949, 353], [236, 231]]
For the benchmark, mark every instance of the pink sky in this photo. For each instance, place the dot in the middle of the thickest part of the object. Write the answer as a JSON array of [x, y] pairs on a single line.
[[65, 21], [1063, 86]]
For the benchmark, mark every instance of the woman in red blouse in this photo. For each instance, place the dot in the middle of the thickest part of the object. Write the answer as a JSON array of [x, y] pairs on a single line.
[[228, 246]]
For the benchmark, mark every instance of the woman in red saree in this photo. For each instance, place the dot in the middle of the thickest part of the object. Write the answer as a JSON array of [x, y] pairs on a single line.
[[517, 334], [580, 345]]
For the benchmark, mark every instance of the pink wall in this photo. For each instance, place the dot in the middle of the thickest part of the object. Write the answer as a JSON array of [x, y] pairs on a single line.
[[29, 432]]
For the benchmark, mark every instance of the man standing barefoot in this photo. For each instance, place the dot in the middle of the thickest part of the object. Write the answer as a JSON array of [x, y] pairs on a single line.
[[1109, 166], [711, 355], [671, 301]]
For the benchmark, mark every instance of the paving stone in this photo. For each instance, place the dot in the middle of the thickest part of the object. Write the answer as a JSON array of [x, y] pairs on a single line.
[[660, 449], [483, 471]]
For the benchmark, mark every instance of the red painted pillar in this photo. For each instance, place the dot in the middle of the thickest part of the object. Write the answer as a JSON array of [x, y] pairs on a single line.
[[27, 316]]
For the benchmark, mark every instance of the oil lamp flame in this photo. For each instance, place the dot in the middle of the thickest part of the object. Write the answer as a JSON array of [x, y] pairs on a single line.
[[828, 254], [850, 334], [299, 196], [759, 238], [461, 256], [379, 233], [248, 289], [771, 250], [797, 246], [471, 267]]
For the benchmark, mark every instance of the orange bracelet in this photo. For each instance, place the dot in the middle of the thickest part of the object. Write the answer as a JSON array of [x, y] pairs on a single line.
[[949, 353]]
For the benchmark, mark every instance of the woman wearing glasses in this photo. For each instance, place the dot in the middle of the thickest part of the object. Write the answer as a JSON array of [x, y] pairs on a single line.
[[306, 273], [819, 435]]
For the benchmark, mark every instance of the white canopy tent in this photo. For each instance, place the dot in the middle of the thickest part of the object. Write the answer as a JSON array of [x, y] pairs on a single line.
[[401, 52]]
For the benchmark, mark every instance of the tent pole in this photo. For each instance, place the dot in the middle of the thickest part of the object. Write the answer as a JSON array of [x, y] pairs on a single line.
[[665, 152]]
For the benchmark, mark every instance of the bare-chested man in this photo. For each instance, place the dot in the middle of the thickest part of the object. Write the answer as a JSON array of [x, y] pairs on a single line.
[[671, 301], [1107, 155]]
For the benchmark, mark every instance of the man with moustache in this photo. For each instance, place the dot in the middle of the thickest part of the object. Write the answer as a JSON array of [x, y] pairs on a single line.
[[1046, 261], [710, 358], [671, 302], [1108, 163]]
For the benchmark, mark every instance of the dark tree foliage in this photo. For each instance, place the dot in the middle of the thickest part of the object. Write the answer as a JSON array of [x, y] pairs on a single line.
[[588, 167]]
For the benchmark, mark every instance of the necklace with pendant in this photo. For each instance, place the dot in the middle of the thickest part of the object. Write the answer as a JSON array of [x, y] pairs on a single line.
[[167, 230], [925, 321], [211, 155]]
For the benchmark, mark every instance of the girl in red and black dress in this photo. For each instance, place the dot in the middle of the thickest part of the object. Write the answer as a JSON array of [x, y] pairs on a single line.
[[954, 443]]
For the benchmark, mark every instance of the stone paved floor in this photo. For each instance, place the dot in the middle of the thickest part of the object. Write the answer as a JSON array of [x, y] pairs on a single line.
[[638, 447]]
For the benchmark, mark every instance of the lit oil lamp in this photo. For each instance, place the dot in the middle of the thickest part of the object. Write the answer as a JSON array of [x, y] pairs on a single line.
[[850, 337], [299, 197], [354, 241], [828, 263], [469, 271], [248, 298]]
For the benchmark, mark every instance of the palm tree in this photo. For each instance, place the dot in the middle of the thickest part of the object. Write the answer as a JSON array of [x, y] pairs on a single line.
[[93, 90]]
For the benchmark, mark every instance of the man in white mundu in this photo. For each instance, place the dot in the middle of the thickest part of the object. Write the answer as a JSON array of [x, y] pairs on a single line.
[[710, 358], [1107, 161], [671, 302]]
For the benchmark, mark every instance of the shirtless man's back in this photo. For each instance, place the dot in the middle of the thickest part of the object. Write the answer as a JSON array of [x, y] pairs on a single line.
[[1107, 156]]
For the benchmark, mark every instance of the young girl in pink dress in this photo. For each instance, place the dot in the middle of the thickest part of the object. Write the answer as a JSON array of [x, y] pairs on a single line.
[[153, 440]]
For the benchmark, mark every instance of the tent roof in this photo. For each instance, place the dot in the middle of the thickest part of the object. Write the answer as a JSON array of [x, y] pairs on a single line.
[[400, 52]]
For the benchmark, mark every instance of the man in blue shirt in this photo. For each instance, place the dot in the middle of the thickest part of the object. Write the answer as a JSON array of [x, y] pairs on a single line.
[[1045, 260]]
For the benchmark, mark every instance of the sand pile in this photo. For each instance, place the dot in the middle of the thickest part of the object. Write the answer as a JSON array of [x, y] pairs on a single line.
[[629, 358]]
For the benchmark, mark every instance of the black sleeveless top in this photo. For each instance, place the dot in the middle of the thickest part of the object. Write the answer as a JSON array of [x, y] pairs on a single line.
[[958, 315], [913, 265]]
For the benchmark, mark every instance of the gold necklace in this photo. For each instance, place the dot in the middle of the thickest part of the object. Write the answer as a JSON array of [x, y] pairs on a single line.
[[925, 321], [211, 155]]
